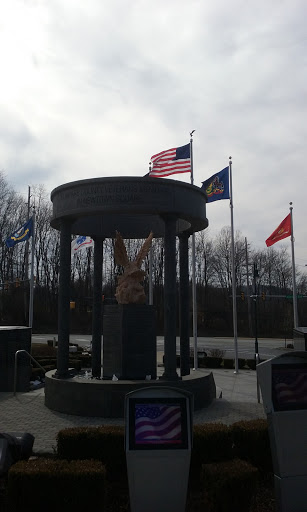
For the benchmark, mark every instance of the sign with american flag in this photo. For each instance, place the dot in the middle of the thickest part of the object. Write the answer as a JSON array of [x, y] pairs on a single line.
[[171, 161], [289, 387], [158, 423]]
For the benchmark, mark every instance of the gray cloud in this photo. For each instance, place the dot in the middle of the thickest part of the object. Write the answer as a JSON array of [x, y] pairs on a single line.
[[96, 88]]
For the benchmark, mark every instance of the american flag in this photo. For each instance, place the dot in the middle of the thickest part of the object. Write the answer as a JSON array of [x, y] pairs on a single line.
[[290, 387], [80, 242], [158, 424], [171, 161]]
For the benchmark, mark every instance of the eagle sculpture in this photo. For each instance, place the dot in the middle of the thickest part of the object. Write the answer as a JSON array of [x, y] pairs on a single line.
[[130, 289]]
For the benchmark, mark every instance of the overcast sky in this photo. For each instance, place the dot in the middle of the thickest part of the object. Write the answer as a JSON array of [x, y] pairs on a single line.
[[95, 88]]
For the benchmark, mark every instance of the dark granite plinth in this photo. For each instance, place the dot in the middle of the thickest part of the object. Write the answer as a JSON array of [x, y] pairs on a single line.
[[129, 341], [13, 338], [106, 399]]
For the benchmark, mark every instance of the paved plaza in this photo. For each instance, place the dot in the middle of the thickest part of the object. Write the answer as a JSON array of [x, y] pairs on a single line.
[[26, 412]]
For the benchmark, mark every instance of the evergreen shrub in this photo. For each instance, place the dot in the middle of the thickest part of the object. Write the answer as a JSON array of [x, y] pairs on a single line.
[[229, 485], [51, 484], [43, 350], [241, 362], [212, 362], [75, 363], [86, 360], [212, 442], [105, 443], [251, 363], [228, 364], [251, 442], [45, 361]]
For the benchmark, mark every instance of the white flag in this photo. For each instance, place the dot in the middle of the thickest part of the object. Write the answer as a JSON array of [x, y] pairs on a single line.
[[81, 242]]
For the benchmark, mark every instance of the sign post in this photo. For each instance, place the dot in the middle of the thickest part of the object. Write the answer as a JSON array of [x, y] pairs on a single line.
[[283, 382], [158, 442]]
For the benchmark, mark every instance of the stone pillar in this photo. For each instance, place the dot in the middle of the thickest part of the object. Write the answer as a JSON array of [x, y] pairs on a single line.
[[184, 304], [170, 372], [64, 302], [97, 308]]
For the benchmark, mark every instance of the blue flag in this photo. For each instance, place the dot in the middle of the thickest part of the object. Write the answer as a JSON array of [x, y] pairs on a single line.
[[21, 234], [217, 187]]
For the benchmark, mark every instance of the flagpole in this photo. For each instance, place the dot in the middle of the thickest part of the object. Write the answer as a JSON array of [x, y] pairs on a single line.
[[295, 314], [150, 284], [32, 272], [234, 298], [193, 269]]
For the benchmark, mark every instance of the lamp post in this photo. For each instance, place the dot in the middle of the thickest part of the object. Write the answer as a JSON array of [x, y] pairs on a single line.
[[255, 297]]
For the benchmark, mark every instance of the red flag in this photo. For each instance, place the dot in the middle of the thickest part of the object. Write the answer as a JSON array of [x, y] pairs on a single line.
[[283, 230]]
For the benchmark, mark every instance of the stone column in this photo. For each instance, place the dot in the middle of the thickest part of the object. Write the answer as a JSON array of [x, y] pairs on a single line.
[[97, 308], [184, 304], [64, 302], [170, 372]]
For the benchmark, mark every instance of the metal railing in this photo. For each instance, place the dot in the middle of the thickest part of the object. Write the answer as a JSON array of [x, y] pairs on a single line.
[[15, 366]]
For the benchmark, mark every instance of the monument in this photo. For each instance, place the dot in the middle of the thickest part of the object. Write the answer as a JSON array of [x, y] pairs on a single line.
[[134, 207]]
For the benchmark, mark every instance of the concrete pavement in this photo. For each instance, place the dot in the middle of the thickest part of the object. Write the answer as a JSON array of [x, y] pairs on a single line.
[[26, 412]]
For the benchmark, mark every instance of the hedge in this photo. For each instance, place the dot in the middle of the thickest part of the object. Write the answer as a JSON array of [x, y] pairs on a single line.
[[229, 486], [252, 443], [105, 443], [52, 484]]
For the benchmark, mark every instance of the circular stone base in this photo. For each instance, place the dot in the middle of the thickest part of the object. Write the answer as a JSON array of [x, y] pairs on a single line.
[[106, 399]]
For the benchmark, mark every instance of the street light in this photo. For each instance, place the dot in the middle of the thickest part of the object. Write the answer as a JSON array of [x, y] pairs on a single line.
[[255, 297]]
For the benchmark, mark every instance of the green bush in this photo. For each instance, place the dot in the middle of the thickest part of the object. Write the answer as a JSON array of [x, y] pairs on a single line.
[[228, 364], [212, 362], [251, 363], [201, 361], [75, 363], [86, 360], [251, 442], [43, 350], [51, 484], [212, 442], [229, 485], [45, 361], [105, 443], [241, 362]]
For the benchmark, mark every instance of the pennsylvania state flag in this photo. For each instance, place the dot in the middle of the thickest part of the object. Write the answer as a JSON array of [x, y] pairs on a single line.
[[217, 187], [21, 234]]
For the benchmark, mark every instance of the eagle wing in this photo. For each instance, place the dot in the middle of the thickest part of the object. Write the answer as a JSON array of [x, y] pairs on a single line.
[[144, 250], [120, 252]]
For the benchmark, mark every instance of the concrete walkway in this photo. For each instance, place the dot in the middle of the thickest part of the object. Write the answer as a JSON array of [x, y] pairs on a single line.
[[26, 412]]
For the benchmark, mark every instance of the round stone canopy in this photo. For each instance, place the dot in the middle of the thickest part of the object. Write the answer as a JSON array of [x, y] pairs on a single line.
[[132, 206]]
